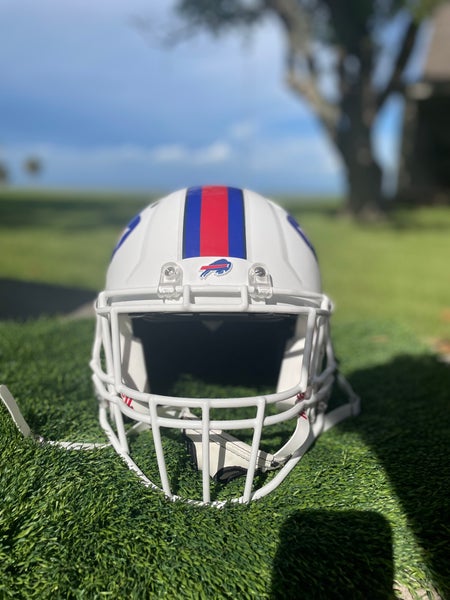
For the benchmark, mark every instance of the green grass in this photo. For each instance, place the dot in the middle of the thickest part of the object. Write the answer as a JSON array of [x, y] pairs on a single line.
[[60, 237], [367, 505], [396, 269]]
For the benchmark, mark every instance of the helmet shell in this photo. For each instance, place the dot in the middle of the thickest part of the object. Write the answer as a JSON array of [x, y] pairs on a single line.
[[215, 234]]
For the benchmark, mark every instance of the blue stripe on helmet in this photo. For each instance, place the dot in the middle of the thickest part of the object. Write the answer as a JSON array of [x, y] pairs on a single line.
[[191, 229], [236, 223]]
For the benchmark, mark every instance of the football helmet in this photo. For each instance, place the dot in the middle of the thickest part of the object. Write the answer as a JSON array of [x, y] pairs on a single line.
[[212, 359]]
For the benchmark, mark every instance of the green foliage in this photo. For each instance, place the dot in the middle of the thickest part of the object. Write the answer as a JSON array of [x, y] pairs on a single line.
[[219, 15]]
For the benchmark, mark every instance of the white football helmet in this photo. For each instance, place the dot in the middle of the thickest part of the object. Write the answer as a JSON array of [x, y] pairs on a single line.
[[214, 291]]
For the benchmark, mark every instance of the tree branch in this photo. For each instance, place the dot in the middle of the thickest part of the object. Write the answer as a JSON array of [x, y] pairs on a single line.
[[307, 88], [296, 23], [395, 81]]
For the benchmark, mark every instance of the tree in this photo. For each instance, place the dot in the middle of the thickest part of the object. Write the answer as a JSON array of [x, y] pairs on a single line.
[[349, 32], [4, 174], [33, 166]]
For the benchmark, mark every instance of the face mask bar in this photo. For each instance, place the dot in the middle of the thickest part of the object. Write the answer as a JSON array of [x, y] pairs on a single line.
[[305, 401]]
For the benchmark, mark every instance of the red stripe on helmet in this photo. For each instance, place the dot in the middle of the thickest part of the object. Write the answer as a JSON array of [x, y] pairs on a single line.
[[214, 221]]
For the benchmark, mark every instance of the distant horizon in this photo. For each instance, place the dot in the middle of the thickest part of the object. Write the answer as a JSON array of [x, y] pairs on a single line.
[[154, 193]]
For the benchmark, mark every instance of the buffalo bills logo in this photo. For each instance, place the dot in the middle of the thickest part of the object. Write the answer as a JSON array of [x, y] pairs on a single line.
[[218, 267]]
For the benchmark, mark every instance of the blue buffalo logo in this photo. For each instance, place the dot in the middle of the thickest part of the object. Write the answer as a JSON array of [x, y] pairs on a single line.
[[219, 267]]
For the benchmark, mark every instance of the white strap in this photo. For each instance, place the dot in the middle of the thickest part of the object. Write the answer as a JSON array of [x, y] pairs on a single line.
[[228, 456], [351, 409], [14, 410]]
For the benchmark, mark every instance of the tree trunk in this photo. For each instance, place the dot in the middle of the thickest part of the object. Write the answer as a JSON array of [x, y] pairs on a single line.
[[364, 174], [364, 180]]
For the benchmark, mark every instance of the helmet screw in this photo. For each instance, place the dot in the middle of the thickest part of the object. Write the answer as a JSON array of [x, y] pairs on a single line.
[[260, 272], [169, 271]]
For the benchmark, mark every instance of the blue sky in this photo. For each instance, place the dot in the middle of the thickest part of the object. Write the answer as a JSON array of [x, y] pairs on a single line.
[[106, 106]]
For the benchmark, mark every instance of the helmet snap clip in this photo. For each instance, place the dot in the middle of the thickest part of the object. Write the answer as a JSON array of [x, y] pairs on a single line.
[[259, 280], [170, 281]]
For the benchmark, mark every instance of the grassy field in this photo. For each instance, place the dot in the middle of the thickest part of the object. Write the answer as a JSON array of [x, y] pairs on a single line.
[[397, 269], [61, 237], [366, 510]]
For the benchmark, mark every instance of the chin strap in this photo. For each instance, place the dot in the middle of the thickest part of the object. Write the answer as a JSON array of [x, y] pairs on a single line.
[[229, 457], [352, 408], [9, 401], [11, 404]]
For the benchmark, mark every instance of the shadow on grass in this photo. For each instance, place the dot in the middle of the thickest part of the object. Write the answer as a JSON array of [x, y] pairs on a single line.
[[405, 419], [22, 300], [361, 565]]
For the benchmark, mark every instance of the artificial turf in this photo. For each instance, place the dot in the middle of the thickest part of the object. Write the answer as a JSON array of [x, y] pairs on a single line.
[[367, 506]]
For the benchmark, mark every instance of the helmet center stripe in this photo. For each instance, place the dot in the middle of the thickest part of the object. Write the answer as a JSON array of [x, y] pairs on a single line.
[[214, 222]]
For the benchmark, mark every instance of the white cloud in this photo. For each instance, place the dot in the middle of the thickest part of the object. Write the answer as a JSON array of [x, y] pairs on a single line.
[[303, 155], [243, 130], [170, 153], [217, 152]]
